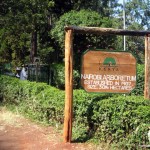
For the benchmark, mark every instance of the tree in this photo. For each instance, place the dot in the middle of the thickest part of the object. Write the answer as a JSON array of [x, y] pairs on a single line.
[[106, 8], [25, 25], [138, 11], [23, 21], [137, 18], [85, 41]]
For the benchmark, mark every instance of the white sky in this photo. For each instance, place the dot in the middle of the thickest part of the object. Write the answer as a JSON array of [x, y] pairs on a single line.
[[120, 1]]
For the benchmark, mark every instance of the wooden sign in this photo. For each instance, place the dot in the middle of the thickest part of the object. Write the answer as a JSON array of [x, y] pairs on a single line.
[[107, 71]]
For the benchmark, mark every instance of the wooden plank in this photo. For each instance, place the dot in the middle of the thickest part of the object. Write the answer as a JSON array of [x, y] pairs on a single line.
[[68, 85], [147, 67], [108, 72], [97, 30]]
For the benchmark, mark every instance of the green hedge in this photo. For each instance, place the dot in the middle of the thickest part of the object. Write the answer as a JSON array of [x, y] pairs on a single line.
[[139, 90], [116, 119], [122, 119], [58, 77], [102, 117], [37, 100]]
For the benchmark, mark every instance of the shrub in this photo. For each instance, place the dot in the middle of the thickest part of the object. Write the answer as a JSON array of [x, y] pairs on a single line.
[[116, 119], [37, 100], [139, 90], [58, 79], [103, 117], [119, 117]]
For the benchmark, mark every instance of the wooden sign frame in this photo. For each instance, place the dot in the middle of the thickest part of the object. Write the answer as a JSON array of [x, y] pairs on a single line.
[[69, 31], [108, 78]]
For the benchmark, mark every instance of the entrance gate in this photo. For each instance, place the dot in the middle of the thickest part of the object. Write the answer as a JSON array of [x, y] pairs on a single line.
[[70, 30]]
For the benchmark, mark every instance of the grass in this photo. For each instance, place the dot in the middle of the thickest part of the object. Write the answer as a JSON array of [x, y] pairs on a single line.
[[9, 118]]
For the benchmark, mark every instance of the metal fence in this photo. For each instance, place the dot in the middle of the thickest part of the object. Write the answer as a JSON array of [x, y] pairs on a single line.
[[39, 73]]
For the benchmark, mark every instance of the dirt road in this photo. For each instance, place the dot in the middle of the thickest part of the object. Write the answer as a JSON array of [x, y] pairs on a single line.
[[18, 133]]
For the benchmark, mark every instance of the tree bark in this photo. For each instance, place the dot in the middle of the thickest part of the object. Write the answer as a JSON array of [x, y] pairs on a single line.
[[33, 51], [68, 86], [97, 30]]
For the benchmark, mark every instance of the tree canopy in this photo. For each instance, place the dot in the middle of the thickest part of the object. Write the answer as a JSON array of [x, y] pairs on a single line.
[[36, 27]]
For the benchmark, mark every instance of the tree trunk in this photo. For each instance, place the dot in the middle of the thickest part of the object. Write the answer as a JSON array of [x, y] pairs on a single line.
[[33, 51]]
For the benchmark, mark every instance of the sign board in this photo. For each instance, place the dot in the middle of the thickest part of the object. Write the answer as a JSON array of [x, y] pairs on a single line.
[[107, 71]]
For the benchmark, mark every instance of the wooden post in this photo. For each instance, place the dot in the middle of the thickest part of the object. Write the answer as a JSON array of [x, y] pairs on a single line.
[[147, 67], [69, 66], [68, 85]]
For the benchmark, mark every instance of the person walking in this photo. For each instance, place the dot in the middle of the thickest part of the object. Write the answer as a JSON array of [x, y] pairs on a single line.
[[23, 74]]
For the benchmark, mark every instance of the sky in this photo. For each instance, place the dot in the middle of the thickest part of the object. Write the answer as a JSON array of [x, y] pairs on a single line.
[[120, 1]]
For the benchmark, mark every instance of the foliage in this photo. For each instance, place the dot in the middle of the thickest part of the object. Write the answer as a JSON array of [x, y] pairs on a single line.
[[136, 18], [21, 24], [58, 76], [139, 90], [25, 27], [78, 18], [37, 101], [138, 12], [120, 117], [82, 42], [122, 121], [104, 7]]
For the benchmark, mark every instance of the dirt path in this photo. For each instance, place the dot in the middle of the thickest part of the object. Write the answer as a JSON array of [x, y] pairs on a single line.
[[18, 133]]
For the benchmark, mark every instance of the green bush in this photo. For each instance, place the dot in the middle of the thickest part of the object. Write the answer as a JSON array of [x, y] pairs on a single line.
[[120, 120], [37, 100], [58, 79], [116, 119], [139, 90], [120, 117]]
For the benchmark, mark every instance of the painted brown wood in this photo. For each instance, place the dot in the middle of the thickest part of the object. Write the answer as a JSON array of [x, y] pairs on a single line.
[[147, 67], [97, 30], [108, 72], [68, 86]]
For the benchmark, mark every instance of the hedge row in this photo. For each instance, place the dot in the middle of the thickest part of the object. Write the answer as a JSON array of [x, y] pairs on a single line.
[[58, 79], [58, 76], [102, 117], [34, 99]]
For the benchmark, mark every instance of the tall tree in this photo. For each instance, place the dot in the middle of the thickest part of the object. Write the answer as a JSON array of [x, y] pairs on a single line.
[[25, 24], [85, 41], [138, 11], [104, 7], [24, 19], [137, 18]]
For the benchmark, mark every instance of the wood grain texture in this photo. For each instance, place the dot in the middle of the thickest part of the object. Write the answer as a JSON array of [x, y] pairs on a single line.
[[99, 31], [68, 86], [147, 67], [112, 72]]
